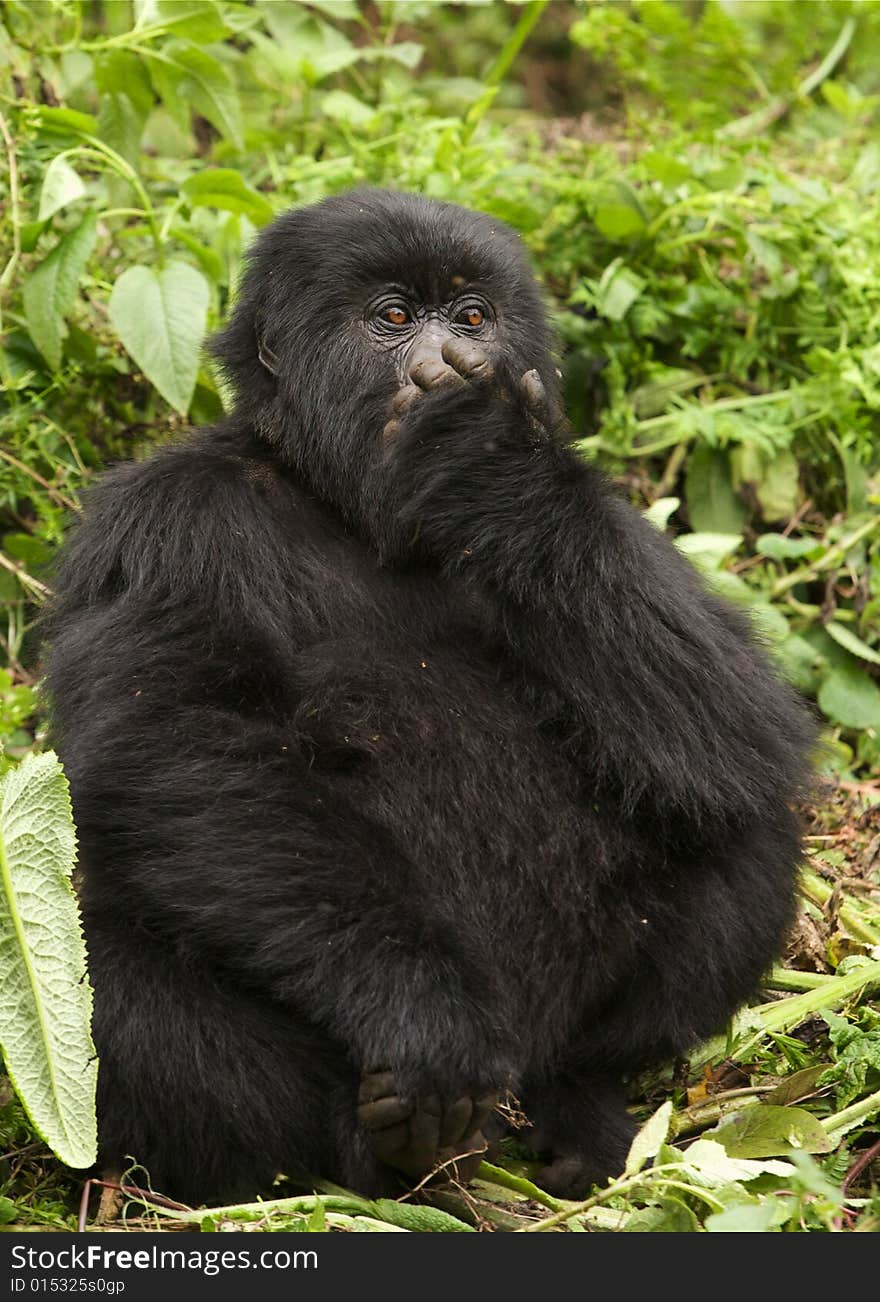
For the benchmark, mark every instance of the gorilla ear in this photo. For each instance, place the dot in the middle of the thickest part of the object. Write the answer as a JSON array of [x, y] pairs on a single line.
[[266, 356]]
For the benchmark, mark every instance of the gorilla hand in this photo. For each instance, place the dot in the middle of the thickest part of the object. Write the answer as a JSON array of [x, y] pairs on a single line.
[[419, 1134], [464, 362]]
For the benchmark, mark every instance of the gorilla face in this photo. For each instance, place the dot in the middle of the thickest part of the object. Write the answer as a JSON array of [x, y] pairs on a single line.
[[351, 306]]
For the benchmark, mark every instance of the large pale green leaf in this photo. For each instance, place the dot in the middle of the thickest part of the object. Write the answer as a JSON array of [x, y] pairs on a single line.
[[61, 186], [45, 996], [649, 1140], [159, 314], [768, 1131], [50, 290]]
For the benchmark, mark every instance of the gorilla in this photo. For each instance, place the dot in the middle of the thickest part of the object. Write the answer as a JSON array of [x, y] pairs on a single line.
[[413, 770]]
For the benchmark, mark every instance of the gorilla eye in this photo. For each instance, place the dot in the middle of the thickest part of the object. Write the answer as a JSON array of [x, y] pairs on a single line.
[[396, 315], [471, 316]]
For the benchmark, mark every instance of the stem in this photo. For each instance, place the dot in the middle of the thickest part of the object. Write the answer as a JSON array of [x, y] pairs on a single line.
[[605, 1195], [674, 417], [501, 65], [123, 168], [754, 124], [865, 1109], [783, 979], [805, 573], [518, 1184], [9, 269], [815, 889]]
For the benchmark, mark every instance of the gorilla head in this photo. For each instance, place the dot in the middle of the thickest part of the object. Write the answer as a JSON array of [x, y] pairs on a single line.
[[360, 298]]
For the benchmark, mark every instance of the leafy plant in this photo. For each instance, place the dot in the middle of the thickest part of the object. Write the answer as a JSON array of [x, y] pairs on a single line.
[[46, 1005]]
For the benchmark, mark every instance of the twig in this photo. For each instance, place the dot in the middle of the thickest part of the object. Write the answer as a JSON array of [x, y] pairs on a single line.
[[27, 580], [861, 1163], [834, 554], [54, 493]]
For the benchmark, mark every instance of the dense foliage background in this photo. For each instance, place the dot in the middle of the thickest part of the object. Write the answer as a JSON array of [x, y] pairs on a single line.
[[699, 184]]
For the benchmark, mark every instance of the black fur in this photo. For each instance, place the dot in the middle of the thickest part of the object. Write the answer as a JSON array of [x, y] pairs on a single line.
[[429, 755]]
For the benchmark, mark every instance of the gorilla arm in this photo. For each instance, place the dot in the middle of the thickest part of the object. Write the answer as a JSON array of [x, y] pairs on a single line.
[[682, 736], [616, 646]]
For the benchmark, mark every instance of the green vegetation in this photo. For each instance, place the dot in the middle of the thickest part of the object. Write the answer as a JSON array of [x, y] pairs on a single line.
[[700, 187]]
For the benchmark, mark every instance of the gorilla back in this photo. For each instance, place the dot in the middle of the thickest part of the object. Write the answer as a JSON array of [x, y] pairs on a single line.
[[410, 765]]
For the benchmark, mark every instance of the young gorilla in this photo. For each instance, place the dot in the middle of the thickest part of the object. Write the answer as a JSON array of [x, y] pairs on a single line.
[[410, 765]]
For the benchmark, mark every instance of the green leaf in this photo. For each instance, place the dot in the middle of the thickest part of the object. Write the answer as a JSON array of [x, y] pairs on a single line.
[[199, 20], [47, 1000], [757, 1218], [618, 289], [407, 53], [187, 77], [660, 511], [51, 289], [845, 638], [61, 186], [797, 1086], [159, 314], [800, 662], [768, 1131], [849, 697], [708, 550], [670, 1216], [340, 106], [779, 548], [411, 1217], [707, 1159], [224, 188], [65, 122], [120, 72], [649, 1139], [712, 504], [618, 221]]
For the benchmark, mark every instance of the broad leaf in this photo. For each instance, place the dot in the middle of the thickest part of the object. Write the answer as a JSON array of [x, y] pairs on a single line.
[[849, 641], [849, 697], [712, 504], [51, 289], [187, 77], [46, 1005], [159, 314], [649, 1139], [61, 186], [222, 187], [768, 1131]]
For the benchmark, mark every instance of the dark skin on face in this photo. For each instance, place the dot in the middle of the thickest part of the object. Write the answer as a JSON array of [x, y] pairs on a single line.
[[446, 344]]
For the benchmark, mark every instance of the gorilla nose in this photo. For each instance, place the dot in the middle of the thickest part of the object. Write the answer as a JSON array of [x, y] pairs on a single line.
[[424, 363]]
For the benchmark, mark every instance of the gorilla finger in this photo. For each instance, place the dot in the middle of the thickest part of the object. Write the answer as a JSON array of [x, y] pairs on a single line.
[[391, 1145], [469, 360], [484, 1106], [384, 1113], [389, 431], [424, 1135], [377, 1085], [404, 398], [535, 395], [542, 408], [456, 1121], [430, 373]]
